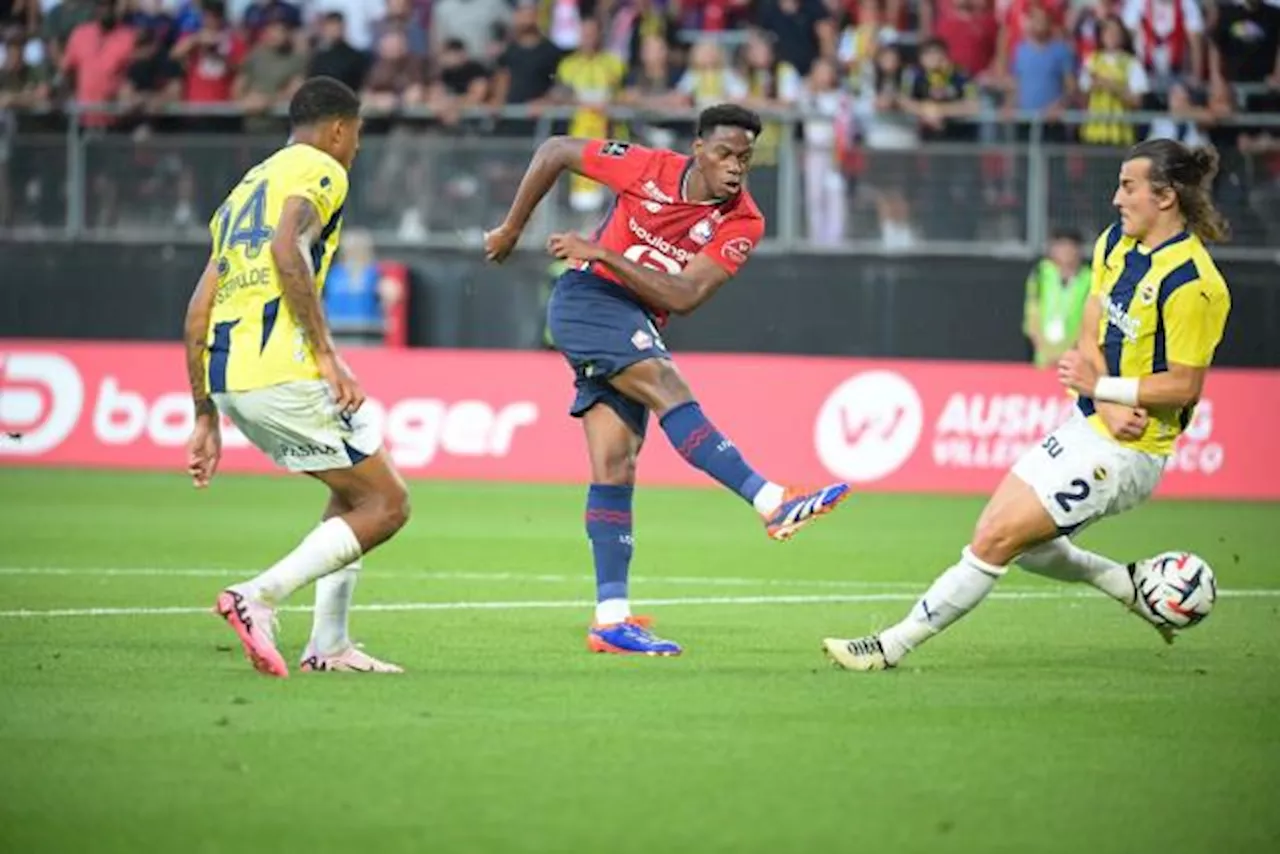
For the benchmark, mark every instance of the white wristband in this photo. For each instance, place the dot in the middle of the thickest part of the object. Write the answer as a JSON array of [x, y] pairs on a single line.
[[1117, 390]]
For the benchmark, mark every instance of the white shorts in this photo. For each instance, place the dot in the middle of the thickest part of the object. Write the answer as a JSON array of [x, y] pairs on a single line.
[[1081, 476], [298, 425]]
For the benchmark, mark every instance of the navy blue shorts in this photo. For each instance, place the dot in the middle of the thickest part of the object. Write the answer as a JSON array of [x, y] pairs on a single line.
[[602, 330]]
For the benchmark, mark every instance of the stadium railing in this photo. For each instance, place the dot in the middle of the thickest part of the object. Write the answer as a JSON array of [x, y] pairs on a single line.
[[423, 183]]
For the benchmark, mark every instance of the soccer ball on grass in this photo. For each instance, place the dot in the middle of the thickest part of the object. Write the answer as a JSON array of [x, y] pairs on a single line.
[[1177, 587]]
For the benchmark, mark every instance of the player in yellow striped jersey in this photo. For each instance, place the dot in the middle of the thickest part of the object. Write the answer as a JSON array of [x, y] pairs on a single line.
[[259, 351], [1157, 312]]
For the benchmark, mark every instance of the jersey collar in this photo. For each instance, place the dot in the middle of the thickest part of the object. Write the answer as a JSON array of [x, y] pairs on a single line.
[[684, 186], [1177, 238]]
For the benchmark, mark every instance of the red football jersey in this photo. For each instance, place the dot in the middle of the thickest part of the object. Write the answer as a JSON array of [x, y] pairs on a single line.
[[649, 222]]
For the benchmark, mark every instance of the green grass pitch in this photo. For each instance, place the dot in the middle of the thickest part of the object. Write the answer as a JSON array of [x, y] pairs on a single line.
[[1047, 721]]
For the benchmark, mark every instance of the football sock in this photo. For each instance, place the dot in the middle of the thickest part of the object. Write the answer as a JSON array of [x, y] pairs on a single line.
[[704, 447], [608, 519], [955, 593], [1063, 560], [330, 546], [329, 633]]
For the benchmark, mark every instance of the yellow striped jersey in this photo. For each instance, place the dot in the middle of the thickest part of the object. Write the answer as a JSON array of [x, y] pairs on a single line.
[[254, 340], [1159, 306]]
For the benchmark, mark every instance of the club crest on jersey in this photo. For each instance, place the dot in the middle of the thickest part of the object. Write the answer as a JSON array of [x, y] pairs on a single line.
[[613, 148], [1147, 294], [701, 233], [737, 250]]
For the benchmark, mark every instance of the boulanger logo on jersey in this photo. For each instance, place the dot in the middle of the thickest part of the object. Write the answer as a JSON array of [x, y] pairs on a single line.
[[41, 397], [868, 426]]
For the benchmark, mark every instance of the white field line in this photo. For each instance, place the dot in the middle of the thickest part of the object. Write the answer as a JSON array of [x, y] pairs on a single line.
[[583, 603], [490, 577]]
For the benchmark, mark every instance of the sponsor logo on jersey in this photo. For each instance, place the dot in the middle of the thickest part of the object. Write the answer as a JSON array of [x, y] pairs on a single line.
[[613, 148], [642, 340], [737, 250], [652, 207], [1122, 320], [664, 246]]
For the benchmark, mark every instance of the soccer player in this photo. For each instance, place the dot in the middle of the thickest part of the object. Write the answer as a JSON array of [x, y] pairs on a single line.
[[1156, 313], [260, 352], [678, 228]]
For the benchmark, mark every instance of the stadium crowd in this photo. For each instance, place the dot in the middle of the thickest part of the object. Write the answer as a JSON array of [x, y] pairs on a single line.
[[876, 80]]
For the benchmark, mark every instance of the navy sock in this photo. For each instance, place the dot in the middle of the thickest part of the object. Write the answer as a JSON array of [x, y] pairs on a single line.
[[704, 447], [609, 529]]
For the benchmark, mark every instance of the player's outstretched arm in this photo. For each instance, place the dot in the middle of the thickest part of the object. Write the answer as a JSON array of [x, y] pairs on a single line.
[[553, 157], [298, 230], [678, 293]]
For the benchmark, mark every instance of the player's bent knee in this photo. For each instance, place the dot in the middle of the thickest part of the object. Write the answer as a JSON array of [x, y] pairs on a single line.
[[396, 509], [996, 540], [615, 471]]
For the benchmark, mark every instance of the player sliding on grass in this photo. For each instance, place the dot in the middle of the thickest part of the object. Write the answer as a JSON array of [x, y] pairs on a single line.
[[678, 229], [259, 351], [1156, 314]]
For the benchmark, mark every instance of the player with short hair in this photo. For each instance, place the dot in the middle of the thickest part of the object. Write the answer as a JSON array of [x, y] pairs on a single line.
[[679, 227], [1156, 314], [259, 351]]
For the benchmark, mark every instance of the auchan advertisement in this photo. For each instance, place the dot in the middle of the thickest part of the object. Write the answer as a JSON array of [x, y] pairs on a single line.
[[486, 415]]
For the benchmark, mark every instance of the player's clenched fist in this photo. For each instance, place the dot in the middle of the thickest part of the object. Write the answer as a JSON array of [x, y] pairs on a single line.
[[1126, 423], [1078, 373], [347, 394], [500, 242], [572, 246]]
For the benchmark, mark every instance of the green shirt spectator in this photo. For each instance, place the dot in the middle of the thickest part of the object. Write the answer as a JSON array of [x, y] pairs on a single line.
[[1056, 293]]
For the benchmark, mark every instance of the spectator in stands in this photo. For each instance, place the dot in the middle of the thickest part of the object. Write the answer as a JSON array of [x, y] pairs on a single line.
[[860, 36], [944, 102], [1056, 292], [269, 76], [652, 87], [1185, 122], [940, 96], [709, 79], [354, 293], [468, 21], [1113, 82], [61, 21], [398, 79], [260, 14], [334, 55], [890, 136], [592, 80], [970, 32], [827, 135], [526, 69], [1168, 38], [359, 18], [1015, 18], [1245, 46], [402, 16], [211, 57], [459, 82], [1042, 72], [152, 82], [97, 56], [633, 22], [23, 84], [1085, 26], [153, 17], [802, 30]]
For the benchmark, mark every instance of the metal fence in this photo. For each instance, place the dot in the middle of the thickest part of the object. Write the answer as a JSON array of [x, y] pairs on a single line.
[[418, 182]]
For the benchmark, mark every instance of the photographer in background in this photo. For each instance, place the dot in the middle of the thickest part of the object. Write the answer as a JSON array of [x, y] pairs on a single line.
[[1057, 290]]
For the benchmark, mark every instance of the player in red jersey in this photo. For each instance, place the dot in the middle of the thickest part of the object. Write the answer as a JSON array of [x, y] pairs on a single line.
[[679, 227]]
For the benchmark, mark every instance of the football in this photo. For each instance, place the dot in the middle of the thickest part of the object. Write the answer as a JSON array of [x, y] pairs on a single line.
[[1178, 587]]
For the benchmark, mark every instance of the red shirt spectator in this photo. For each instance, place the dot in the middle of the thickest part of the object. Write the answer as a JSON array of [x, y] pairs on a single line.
[[970, 31], [211, 56], [98, 54]]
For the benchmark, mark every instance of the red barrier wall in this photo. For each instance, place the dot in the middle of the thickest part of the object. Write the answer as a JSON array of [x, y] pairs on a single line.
[[884, 425]]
